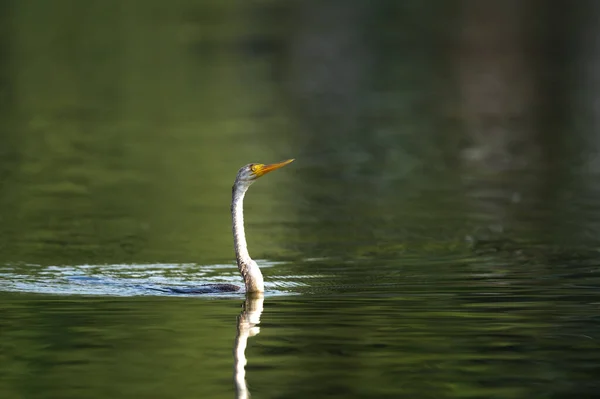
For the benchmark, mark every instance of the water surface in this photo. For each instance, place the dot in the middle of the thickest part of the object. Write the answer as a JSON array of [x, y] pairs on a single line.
[[426, 243]]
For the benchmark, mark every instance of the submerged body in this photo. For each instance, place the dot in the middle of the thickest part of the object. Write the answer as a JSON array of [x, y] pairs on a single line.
[[204, 289]]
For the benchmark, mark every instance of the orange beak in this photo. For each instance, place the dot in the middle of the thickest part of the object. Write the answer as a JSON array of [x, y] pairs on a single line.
[[260, 169]]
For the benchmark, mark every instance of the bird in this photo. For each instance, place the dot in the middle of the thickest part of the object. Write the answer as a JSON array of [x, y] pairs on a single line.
[[246, 176], [248, 268]]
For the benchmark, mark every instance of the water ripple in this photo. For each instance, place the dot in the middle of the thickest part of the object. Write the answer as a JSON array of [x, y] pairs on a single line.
[[132, 279]]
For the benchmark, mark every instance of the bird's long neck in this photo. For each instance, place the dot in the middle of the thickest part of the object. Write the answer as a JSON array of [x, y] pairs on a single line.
[[249, 270]]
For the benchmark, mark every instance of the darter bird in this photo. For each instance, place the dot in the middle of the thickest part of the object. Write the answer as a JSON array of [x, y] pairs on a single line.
[[253, 278]]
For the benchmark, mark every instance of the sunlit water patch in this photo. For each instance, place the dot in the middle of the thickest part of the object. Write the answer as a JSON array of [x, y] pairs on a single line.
[[134, 279]]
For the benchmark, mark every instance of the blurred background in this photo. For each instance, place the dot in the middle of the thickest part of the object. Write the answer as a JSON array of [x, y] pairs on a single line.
[[123, 124], [446, 149]]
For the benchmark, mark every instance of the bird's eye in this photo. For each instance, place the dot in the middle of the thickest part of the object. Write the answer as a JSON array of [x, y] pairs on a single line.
[[253, 167]]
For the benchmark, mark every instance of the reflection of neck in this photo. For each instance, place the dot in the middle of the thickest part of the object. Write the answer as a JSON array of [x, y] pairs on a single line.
[[249, 270], [247, 324]]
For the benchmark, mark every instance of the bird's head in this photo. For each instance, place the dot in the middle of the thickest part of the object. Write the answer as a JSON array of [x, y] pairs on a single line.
[[249, 173]]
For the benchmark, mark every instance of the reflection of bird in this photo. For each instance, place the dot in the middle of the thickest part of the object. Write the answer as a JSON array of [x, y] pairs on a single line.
[[247, 326], [248, 268]]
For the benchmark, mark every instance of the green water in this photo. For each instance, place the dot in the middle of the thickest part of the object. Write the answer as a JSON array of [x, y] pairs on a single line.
[[395, 265]]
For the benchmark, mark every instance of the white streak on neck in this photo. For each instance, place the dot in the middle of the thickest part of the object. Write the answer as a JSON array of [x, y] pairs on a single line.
[[248, 268]]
